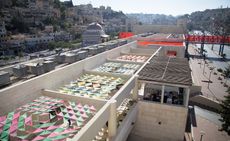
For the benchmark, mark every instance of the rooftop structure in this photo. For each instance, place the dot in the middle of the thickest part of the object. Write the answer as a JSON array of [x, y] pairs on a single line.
[[167, 70], [121, 109]]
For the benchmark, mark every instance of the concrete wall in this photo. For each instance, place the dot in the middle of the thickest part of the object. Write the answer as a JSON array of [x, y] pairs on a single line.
[[91, 129], [127, 125], [17, 95], [180, 51], [195, 90], [172, 118], [146, 51], [138, 29], [124, 92], [204, 101], [84, 100]]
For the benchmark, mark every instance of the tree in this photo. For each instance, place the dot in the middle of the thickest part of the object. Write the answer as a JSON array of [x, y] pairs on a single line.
[[6, 59], [20, 3], [225, 114], [57, 4], [63, 11], [215, 21], [226, 73], [221, 22], [52, 45], [19, 25], [60, 44]]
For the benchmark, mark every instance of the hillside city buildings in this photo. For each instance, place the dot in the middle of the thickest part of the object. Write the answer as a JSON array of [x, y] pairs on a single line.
[[45, 21]]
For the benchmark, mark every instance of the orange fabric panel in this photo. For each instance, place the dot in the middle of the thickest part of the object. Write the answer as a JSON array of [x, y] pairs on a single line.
[[125, 35], [207, 39], [146, 43], [171, 53]]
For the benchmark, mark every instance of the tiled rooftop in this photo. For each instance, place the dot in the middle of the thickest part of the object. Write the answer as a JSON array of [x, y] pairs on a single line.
[[167, 70]]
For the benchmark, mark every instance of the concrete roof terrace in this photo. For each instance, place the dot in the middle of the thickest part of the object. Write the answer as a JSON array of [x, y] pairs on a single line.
[[167, 70]]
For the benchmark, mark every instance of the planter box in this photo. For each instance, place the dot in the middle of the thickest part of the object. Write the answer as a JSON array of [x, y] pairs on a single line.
[[49, 66], [37, 69], [4, 78], [70, 58], [20, 71], [82, 55]]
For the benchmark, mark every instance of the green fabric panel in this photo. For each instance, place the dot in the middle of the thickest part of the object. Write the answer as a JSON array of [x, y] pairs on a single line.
[[10, 115], [79, 123], [20, 124], [5, 139], [46, 125], [8, 120], [59, 137], [80, 119], [59, 130], [64, 110], [66, 116], [51, 116], [88, 112], [4, 135], [23, 137], [45, 132], [22, 117], [37, 126], [78, 113], [6, 126], [73, 104], [47, 139]]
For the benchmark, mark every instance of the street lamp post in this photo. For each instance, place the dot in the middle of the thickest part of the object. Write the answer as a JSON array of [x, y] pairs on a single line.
[[202, 133], [209, 78], [212, 18], [200, 63], [204, 68], [204, 63]]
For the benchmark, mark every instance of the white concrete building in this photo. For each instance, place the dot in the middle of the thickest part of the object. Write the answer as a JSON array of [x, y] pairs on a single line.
[[94, 34], [143, 118]]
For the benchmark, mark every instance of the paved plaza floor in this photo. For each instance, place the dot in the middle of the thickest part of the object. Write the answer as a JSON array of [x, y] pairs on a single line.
[[207, 121], [201, 74]]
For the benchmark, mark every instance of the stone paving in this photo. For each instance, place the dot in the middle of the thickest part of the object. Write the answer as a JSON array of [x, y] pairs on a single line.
[[211, 131], [216, 90]]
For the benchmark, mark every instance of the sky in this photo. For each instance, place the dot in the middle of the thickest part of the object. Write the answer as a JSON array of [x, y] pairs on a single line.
[[168, 7]]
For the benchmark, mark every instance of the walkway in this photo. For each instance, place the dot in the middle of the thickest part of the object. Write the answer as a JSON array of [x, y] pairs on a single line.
[[210, 129], [201, 72]]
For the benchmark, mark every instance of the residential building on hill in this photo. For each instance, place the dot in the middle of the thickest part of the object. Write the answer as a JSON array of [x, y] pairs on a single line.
[[94, 34]]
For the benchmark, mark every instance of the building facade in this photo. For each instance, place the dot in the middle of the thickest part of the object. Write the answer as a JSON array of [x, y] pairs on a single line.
[[94, 34]]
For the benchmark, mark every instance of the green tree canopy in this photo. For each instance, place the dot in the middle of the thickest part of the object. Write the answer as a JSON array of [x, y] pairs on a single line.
[[19, 25], [225, 114], [226, 73]]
